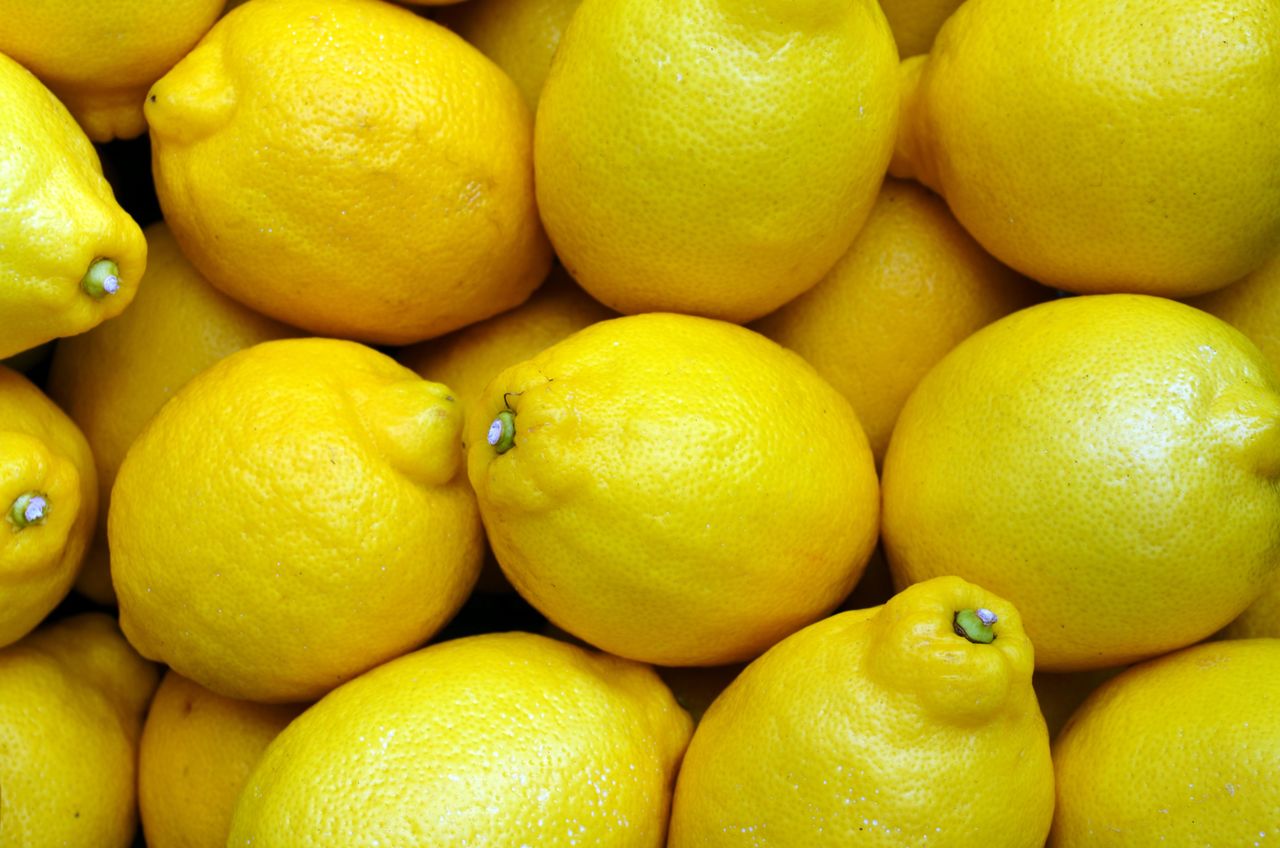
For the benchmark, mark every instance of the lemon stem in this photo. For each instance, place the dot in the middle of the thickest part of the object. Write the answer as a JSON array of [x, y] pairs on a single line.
[[102, 279], [975, 625], [30, 508], [502, 432]]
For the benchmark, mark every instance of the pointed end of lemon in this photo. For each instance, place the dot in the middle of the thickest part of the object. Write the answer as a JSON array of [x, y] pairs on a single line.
[[28, 509], [975, 625], [102, 279]]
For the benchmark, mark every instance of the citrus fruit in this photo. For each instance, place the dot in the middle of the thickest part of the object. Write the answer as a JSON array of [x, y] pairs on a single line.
[[196, 753], [881, 727], [100, 58], [499, 739], [294, 515], [673, 489], [1252, 306], [1181, 750], [1108, 463], [72, 257], [521, 36], [49, 498], [915, 23], [712, 157], [1070, 139], [913, 285], [72, 698], [348, 167], [112, 379], [1261, 618]]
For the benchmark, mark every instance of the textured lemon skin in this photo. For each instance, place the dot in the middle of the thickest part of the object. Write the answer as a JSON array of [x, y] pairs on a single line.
[[1107, 463], [1070, 139], [350, 168], [910, 288], [100, 57], [196, 754], [57, 217], [1183, 749], [114, 378], [72, 699], [712, 157], [681, 491], [878, 727], [500, 739], [42, 452], [521, 36], [296, 514]]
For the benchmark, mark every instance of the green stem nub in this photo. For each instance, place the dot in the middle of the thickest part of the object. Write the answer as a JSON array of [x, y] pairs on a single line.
[[102, 279], [975, 625], [30, 508], [502, 432]]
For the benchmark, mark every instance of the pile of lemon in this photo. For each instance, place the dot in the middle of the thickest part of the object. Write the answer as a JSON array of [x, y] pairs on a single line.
[[879, 406]]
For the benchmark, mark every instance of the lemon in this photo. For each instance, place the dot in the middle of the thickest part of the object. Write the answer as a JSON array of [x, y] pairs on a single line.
[[881, 727], [1252, 306], [100, 58], [1261, 618], [713, 157], [912, 286], [49, 498], [1071, 139], [112, 379], [673, 489], [72, 698], [348, 167], [1108, 463], [915, 23], [197, 751], [294, 515], [1181, 750], [521, 36], [70, 257], [500, 739]]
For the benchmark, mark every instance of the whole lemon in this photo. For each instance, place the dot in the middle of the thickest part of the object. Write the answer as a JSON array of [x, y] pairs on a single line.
[[70, 257], [500, 739], [49, 499], [1181, 750], [521, 36], [72, 698], [293, 516], [1071, 139], [889, 726], [673, 489], [100, 58], [910, 288], [1108, 463], [197, 751], [710, 156], [112, 379], [348, 167]]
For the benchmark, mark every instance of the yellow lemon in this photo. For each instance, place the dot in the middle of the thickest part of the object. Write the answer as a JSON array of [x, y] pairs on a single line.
[[70, 257], [909, 724], [673, 489], [1071, 139], [1261, 618], [72, 698], [500, 739], [521, 36], [294, 515], [49, 498], [112, 379], [1108, 463], [351, 168], [912, 286], [713, 157], [1252, 306], [468, 359], [100, 58], [916, 22], [197, 751], [1181, 750]]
